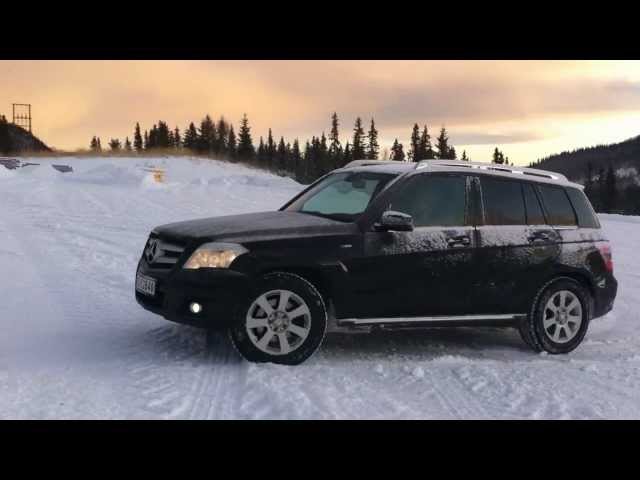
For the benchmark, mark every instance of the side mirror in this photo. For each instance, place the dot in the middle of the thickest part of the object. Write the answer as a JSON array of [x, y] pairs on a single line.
[[392, 221]]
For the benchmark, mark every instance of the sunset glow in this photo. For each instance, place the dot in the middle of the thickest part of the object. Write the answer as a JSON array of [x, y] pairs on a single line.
[[529, 109]]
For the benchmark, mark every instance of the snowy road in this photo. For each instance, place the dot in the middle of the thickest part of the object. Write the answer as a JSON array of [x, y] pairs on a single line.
[[74, 343]]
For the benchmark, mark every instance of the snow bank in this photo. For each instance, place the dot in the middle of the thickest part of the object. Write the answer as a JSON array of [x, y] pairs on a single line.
[[5, 173]]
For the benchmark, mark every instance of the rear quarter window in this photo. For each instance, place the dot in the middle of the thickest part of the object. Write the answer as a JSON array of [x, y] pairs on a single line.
[[586, 216], [558, 207]]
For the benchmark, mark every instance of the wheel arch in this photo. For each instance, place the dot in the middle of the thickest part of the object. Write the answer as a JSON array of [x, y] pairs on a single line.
[[581, 277], [314, 275]]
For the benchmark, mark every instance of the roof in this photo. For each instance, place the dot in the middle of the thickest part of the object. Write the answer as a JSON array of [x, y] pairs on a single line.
[[508, 171]]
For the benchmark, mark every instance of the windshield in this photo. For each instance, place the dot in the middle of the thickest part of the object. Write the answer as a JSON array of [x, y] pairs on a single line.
[[341, 196]]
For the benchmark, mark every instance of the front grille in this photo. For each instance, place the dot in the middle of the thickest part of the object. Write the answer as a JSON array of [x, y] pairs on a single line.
[[164, 254]]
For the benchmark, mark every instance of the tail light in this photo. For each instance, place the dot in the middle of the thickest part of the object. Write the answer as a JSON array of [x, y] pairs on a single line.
[[605, 252]]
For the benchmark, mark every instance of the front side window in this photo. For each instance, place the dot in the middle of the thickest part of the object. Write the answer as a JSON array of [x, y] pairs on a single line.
[[503, 202], [557, 205], [433, 200], [341, 196]]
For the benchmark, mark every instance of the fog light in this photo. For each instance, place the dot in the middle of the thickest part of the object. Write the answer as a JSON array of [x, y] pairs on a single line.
[[195, 307]]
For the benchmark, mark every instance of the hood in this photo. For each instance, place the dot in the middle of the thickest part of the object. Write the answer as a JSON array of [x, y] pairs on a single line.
[[253, 227]]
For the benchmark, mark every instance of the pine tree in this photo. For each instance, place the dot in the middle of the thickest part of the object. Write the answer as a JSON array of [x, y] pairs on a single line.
[[99, 149], [414, 148], [288, 157], [270, 152], [357, 147], [222, 137], [588, 183], [162, 135], [114, 144], [127, 145], [611, 192], [146, 140], [348, 156], [296, 158], [177, 141], [602, 191], [190, 140], [372, 147], [207, 136], [281, 155], [231, 145], [452, 153], [137, 139], [323, 162], [262, 152], [464, 156], [335, 147], [497, 156], [304, 168], [442, 145], [94, 144], [334, 137], [246, 150], [153, 135], [397, 152], [425, 149]]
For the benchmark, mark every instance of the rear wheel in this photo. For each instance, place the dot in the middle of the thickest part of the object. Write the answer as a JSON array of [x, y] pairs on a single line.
[[284, 321], [559, 318]]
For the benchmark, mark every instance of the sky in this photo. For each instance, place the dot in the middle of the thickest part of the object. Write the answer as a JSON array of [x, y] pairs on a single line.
[[529, 109]]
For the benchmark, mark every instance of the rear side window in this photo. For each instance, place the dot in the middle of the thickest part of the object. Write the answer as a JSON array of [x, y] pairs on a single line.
[[586, 215], [534, 210], [503, 202], [557, 205], [433, 200]]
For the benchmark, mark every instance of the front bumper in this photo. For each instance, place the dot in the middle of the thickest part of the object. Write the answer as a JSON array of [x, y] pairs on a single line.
[[220, 292]]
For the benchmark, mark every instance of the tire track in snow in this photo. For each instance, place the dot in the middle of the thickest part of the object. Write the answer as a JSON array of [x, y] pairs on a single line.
[[219, 388]]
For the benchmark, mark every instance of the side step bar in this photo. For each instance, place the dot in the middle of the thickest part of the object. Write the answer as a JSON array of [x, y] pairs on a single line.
[[443, 319]]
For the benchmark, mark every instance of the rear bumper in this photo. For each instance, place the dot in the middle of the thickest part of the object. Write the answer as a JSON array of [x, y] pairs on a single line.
[[220, 292], [605, 296]]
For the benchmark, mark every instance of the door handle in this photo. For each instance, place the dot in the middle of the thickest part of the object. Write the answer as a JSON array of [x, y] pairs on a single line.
[[459, 241], [539, 237]]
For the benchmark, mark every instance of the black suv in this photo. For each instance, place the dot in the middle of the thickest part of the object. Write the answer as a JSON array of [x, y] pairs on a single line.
[[389, 245]]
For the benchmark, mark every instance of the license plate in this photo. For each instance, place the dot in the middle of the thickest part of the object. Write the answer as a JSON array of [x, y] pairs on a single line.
[[146, 285]]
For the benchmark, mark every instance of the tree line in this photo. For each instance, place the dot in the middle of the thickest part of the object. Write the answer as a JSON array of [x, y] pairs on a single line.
[[304, 163], [608, 194], [606, 190]]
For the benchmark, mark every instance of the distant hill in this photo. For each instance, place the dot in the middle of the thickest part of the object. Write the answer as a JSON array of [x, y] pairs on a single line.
[[621, 156], [15, 140], [611, 174]]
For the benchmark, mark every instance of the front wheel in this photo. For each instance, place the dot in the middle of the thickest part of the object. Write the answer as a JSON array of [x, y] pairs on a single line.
[[559, 318], [284, 322]]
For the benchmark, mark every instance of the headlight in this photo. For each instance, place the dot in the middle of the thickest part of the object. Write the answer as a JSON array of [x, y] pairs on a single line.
[[214, 255]]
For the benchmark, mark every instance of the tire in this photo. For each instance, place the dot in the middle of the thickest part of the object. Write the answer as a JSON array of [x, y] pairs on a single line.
[[559, 317], [266, 330]]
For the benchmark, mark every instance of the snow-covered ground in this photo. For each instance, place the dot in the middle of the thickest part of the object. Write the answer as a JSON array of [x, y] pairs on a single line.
[[74, 343]]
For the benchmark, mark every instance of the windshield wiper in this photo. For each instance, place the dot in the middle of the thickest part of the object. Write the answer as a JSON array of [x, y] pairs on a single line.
[[341, 217]]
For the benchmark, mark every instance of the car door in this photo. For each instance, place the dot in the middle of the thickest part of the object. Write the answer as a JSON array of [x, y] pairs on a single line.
[[422, 272], [516, 248]]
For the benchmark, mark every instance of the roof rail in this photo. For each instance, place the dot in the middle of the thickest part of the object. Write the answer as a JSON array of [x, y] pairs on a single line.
[[368, 163], [492, 166]]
